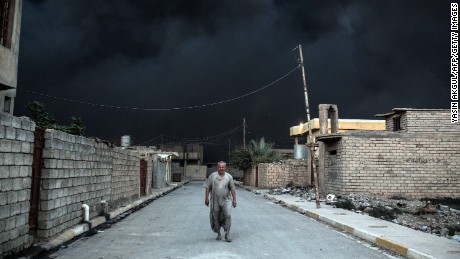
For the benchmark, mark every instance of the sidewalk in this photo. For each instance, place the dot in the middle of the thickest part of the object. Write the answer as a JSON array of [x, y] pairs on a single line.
[[405, 241], [67, 235]]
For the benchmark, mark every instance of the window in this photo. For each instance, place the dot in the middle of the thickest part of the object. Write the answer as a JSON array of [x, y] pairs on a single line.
[[396, 123], [7, 104], [5, 12]]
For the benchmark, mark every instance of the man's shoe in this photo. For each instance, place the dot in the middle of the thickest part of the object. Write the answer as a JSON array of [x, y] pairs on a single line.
[[227, 237]]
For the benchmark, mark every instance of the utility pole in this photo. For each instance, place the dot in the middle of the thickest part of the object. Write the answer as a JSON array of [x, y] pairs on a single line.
[[229, 149], [244, 132], [229, 152], [310, 136]]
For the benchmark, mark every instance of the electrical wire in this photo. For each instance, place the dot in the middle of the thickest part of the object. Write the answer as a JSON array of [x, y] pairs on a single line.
[[150, 140], [216, 139], [164, 109]]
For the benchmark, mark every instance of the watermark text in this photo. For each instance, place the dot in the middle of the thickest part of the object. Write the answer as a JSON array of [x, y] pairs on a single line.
[[454, 62]]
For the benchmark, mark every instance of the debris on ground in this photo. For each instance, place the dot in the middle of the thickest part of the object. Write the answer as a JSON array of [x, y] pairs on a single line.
[[439, 217]]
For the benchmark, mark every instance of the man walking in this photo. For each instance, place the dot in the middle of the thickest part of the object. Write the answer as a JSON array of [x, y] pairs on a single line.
[[219, 185]]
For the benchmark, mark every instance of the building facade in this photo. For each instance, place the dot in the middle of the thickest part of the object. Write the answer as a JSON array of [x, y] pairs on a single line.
[[416, 156], [10, 28]]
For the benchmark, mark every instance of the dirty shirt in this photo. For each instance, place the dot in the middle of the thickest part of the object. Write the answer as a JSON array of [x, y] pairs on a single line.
[[220, 201]]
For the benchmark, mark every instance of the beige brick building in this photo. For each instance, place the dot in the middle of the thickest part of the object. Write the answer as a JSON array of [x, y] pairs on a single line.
[[416, 156]]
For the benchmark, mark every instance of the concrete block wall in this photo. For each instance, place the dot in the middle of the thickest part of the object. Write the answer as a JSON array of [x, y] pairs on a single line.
[[125, 177], [78, 170], [395, 164], [280, 174], [329, 173], [16, 155], [249, 178]]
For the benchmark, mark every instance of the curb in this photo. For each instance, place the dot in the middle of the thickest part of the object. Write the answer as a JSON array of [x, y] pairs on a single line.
[[380, 241], [79, 229]]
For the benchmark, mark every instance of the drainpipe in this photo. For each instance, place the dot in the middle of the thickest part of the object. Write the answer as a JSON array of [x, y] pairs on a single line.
[[85, 212], [85, 209]]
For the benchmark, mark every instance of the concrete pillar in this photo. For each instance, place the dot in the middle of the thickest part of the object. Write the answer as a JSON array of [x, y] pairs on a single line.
[[334, 118], [321, 167], [324, 111]]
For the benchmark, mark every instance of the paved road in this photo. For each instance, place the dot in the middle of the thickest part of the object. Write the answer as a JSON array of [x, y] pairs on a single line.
[[177, 226]]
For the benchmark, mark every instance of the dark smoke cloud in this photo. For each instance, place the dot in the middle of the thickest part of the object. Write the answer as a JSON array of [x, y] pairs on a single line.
[[365, 56]]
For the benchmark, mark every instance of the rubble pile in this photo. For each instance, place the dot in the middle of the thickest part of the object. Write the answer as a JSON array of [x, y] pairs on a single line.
[[430, 216]]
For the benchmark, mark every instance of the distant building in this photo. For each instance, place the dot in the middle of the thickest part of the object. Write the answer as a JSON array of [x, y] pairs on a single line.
[[10, 27], [160, 163], [189, 154]]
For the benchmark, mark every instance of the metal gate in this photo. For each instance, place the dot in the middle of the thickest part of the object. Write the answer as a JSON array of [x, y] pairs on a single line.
[[36, 177], [143, 177]]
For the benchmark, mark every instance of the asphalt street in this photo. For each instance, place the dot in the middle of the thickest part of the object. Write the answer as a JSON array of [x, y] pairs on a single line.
[[177, 226]]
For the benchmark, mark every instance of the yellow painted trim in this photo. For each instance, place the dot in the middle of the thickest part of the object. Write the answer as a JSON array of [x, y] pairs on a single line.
[[344, 125], [312, 215], [349, 229], [392, 246]]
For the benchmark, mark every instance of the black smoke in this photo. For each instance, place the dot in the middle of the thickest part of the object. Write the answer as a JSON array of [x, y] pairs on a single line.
[[365, 56]]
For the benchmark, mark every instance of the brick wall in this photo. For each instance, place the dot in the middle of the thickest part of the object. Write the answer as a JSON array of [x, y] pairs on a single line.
[[279, 174], [16, 149], [423, 121], [249, 177], [125, 177], [435, 121], [282, 173], [389, 163], [78, 170]]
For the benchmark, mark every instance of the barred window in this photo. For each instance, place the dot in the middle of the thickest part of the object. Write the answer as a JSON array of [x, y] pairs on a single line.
[[5, 13]]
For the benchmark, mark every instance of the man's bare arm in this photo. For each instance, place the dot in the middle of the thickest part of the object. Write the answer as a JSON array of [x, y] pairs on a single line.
[[206, 198], [234, 198]]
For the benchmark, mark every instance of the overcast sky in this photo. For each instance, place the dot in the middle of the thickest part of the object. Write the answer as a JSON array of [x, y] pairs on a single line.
[[367, 57]]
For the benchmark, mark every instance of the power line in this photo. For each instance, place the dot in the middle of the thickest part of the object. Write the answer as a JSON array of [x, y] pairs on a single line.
[[216, 136], [163, 109], [150, 140], [209, 140]]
